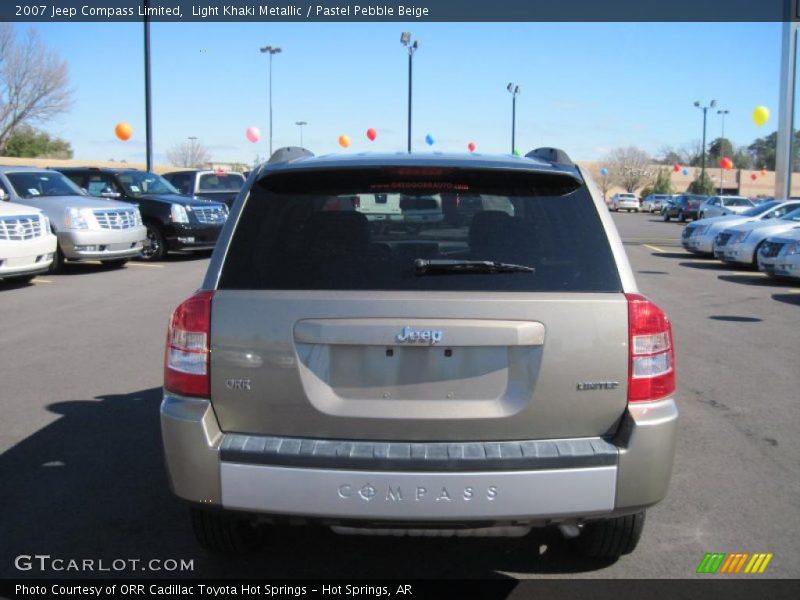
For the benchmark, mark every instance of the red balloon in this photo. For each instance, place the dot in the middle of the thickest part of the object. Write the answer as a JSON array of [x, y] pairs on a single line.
[[676, 167], [471, 146], [371, 134], [753, 176], [726, 163]]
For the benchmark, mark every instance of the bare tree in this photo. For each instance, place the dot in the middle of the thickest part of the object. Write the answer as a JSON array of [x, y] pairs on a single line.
[[190, 153], [34, 82], [629, 167]]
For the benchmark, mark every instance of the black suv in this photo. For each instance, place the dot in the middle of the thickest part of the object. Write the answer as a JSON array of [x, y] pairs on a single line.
[[222, 186], [682, 207], [174, 221]]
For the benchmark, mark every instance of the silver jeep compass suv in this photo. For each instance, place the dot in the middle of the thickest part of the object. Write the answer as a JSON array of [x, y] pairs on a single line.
[[478, 375]]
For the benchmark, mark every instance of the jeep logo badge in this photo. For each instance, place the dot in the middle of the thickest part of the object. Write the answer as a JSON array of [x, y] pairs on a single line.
[[409, 335]]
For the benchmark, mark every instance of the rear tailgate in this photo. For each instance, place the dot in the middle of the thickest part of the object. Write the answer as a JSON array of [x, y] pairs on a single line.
[[321, 328]]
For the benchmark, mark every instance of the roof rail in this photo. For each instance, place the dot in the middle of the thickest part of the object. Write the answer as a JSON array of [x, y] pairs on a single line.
[[288, 154], [551, 155]]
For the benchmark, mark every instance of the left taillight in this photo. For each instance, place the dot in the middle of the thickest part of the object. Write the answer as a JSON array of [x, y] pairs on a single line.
[[651, 367], [186, 360]]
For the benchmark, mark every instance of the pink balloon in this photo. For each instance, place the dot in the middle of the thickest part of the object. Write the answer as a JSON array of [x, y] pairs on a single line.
[[253, 134], [471, 146]]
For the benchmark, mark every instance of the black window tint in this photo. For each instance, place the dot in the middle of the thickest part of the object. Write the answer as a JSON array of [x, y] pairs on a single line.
[[292, 237]]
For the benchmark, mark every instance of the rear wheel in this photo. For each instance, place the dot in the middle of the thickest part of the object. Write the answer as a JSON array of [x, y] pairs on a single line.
[[224, 533], [681, 217], [610, 538], [665, 217]]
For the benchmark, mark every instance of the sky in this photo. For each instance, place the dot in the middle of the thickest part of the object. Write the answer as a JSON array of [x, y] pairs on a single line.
[[585, 87]]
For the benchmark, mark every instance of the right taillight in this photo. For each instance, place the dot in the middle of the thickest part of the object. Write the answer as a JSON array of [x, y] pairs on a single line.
[[186, 361], [651, 367]]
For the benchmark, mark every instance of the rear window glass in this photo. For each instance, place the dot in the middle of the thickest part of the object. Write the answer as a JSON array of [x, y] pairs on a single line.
[[309, 231], [213, 182]]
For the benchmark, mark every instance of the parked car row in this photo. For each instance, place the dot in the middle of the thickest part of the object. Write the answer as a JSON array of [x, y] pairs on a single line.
[[766, 236], [682, 207], [49, 216]]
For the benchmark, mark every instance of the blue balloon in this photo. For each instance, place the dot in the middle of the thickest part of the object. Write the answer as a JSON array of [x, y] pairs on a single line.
[[429, 140], [603, 171], [685, 172]]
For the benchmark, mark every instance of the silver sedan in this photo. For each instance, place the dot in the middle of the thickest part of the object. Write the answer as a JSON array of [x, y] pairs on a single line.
[[740, 244], [698, 237], [779, 255]]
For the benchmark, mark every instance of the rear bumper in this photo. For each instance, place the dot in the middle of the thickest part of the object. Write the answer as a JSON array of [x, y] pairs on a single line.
[[531, 481]]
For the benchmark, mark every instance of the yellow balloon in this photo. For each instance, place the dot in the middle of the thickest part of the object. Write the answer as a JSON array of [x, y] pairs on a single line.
[[344, 141], [760, 115]]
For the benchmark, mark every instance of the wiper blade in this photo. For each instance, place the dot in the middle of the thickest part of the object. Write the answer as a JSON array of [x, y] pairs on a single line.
[[425, 266]]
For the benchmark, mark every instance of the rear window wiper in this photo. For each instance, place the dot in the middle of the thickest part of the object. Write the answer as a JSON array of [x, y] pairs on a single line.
[[426, 266]]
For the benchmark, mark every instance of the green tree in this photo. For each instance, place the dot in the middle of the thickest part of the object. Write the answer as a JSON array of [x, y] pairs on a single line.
[[663, 184], [27, 142], [702, 185]]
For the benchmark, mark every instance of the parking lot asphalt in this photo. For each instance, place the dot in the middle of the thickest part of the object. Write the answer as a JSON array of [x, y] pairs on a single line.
[[82, 472]]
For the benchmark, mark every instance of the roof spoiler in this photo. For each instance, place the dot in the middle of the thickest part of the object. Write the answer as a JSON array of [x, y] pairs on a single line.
[[551, 155], [288, 154]]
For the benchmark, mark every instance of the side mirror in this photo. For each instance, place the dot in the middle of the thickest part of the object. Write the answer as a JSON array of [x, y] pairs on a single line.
[[3, 195]]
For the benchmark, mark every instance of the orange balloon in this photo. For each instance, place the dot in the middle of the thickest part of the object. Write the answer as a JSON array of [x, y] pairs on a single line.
[[124, 131], [344, 141], [763, 172]]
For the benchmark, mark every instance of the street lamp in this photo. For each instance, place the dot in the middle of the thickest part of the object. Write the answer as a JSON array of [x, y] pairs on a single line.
[[697, 104], [191, 158], [300, 125], [271, 51], [405, 39], [722, 113], [513, 90]]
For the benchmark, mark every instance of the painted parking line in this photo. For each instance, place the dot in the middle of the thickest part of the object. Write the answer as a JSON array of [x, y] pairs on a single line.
[[751, 273], [138, 264], [656, 248], [793, 291], [40, 280]]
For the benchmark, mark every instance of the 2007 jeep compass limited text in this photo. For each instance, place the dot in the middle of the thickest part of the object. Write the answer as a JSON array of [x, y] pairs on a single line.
[[420, 378]]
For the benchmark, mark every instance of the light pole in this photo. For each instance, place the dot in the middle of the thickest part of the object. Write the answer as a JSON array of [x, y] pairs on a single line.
[[711, 104], [300, 125], [271, 51], [721, 113], [148, 112], [191, 158], [513, 90], [405, 39]]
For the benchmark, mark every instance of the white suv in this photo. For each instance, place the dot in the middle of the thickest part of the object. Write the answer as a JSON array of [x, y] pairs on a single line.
[[26, 243]]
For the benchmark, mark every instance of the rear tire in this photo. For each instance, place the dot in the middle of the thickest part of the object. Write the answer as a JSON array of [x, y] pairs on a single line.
[[610, 538], [682, 217], [665, 217], [224, 533]]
